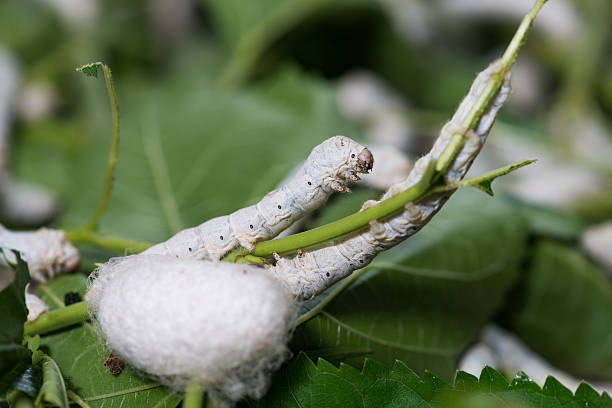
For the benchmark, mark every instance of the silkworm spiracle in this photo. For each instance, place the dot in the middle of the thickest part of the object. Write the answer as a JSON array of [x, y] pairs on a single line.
[[328, 168], [313, 272]]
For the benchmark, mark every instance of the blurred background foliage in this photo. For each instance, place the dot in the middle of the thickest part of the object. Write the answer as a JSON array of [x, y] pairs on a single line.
[[220, 99]]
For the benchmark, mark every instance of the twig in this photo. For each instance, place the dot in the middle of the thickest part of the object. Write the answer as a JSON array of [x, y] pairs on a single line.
[[57, 319], [109, 243], [360, 220], [92, 70]]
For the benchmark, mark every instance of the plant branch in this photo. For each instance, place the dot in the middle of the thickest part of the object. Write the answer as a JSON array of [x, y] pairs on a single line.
[[110, 243], [360, 220], [92, 70], [57, 319], [474, 115]]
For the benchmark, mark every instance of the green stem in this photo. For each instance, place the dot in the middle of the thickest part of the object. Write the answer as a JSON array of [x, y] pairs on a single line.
[[57, 319], [110, 243], [361, 219], [194, 395], [506, 62], [89, 70], [482, 182]]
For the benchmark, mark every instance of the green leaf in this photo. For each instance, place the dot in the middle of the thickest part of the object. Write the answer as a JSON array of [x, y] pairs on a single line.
[[80, 355], [553, 223], [219, 150], [14, 361], [27, 29], [304, 384], [17, 399], [595, 207], [483, 182], [14, 358], [91, 69], [12, 305], [53, 389], [572, 334], [424, 301]]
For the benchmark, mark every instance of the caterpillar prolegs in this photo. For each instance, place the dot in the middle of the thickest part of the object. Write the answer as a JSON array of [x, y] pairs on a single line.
[[310, 273], [328, 168]]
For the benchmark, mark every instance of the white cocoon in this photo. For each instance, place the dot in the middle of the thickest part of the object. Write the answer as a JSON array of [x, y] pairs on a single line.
[[224, 325]]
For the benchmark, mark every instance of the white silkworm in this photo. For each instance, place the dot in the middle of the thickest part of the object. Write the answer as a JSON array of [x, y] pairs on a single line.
[[180, 320], [46, 251], [310, 273], [328, 168]]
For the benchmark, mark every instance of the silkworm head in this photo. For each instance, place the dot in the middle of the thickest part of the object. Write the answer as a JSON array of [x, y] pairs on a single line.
[[365, 160]]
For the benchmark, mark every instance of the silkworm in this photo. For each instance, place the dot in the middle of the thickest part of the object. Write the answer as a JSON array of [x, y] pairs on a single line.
[[46, 251], [314, 271], [328, 168]]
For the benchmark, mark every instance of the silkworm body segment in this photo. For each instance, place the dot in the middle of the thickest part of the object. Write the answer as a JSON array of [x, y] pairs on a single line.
[[328, 168]]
